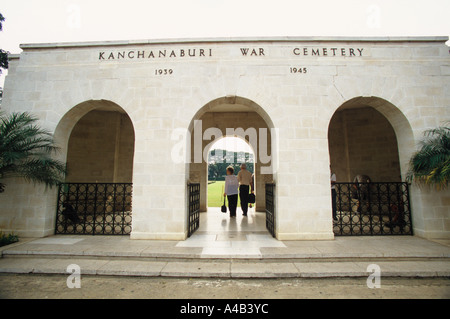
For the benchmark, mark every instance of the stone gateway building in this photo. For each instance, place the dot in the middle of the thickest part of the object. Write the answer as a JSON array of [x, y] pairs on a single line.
[[134, 120]]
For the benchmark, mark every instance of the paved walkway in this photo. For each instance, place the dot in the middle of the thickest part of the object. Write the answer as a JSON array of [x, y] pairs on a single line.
[[229, 248], [222, 237]]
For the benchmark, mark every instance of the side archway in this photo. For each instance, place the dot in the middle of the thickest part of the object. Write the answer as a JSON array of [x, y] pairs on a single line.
[[370, 143], [97, 142]]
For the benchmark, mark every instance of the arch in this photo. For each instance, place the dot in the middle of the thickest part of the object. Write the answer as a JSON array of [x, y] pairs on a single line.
[[400, 124], [232, 103], [71, 118], [97, 139], [236, 112], [370, 136], [235, 104]]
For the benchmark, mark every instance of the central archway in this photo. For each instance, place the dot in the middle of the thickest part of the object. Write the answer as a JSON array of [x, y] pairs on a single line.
[[221, 155], [243, 118]]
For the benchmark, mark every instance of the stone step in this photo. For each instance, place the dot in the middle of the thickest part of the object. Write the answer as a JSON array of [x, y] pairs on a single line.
[[224, 268], [381, 249], [173, 257], [206, 256]]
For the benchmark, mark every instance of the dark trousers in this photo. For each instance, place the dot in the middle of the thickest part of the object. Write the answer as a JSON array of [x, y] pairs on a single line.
[[232, 204], [333, 202], [243, 194]]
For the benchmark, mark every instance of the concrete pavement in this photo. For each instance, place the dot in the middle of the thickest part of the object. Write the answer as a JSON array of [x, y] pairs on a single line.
[[34, 286]]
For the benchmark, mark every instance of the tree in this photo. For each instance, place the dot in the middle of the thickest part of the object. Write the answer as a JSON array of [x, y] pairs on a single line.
[[219, 160], [26, 151], [3, 53], [430, 165]]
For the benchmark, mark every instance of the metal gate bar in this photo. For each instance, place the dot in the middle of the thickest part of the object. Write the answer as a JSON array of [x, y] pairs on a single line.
[[194, 208], [270, 208], [368, 209], [94, 209]]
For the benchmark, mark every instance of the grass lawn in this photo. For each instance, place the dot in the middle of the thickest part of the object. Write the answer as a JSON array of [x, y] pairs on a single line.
[[215, 194]]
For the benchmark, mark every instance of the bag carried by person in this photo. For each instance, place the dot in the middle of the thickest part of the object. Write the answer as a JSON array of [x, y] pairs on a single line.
[[223, 209], [251, 198]]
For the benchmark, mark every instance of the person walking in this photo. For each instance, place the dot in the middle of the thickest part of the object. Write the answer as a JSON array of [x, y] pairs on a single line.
[[245, 179], [231, 190]]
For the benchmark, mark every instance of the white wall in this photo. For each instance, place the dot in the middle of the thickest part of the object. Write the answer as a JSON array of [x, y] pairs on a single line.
[[410, 79]]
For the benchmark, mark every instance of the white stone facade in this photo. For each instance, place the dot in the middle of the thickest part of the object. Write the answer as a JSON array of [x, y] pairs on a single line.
[[295, 85]]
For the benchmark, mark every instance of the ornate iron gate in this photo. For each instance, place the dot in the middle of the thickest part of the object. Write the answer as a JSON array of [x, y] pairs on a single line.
[[94, 209], [270, 208], [372, 209], [194, 208]]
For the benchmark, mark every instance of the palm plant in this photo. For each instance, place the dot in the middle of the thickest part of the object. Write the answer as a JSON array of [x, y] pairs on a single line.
[[26, 151], [431, 163]]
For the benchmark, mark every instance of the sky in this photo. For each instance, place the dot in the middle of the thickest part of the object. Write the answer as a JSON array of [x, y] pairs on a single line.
[[233, 144], [49, 21]]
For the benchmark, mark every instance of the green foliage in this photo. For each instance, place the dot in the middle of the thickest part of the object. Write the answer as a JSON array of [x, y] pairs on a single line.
[[8, 239], [2, 19], [3, 60], [3, 54], [26, 151], [430, 165], [219, 160]]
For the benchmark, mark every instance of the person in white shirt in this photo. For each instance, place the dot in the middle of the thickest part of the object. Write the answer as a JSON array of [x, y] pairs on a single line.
[[333, 194], [245, 179], [231, 190]]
